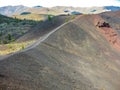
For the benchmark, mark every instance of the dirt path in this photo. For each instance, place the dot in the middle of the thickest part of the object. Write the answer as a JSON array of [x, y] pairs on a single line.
[[40, 40], [44, 37]]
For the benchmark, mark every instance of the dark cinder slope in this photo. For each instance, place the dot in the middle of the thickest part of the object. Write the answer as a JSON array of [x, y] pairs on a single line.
[[75, 57], [44, 27]]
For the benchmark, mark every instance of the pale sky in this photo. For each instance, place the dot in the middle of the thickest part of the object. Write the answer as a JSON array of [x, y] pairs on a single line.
[[51, 3]]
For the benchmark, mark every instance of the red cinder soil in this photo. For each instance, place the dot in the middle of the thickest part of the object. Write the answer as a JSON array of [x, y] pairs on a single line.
[[109, 33], [111, 36]]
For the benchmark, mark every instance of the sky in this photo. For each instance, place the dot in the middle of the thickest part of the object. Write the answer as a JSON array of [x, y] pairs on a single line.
[[51, 3]]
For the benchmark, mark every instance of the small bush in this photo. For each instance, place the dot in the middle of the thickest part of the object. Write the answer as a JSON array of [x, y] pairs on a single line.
[[4, 41], [67, 19], [9, 37], [72, 17], [49, 17], [0, 34], [23, 47], [9, 46]]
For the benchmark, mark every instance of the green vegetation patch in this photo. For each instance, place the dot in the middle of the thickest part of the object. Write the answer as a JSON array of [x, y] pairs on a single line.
[[11, 29]]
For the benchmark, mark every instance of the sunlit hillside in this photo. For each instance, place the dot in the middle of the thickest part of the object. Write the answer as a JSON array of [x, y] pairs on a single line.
[[13, 47], [36, 17]]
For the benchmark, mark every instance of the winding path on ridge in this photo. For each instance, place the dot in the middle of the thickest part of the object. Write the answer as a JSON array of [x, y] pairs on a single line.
[[37, 42], [41, 39]]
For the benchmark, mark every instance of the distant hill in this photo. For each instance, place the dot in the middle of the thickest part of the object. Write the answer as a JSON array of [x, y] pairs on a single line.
[[16, 10], [88, 10], [36, 17], [112, 8], [10, 10], [38, 6]]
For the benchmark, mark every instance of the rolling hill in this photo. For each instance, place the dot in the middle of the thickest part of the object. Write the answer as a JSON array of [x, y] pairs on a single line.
[[36, 17], [11, 10], [80, 54], [17, 10]]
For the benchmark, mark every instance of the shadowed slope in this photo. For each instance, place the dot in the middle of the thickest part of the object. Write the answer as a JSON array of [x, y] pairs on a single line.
[[75, 57], [44, 27]]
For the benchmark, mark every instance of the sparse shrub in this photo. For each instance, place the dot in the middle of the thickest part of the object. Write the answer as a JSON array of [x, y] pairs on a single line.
[[21, 33], [4, 41], [9, 46], [13, 39], [23, 47], [23, 23], [67, 19], [49, 17], [9, 37], [104, 24], [0, 41], [0, 34], [72, 17]]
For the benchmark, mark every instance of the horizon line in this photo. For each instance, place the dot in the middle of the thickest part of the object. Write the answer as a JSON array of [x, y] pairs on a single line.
[[60, 6]]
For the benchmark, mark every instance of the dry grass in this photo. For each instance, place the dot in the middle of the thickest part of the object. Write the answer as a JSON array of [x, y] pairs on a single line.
[[13, 47], [36, 17]]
